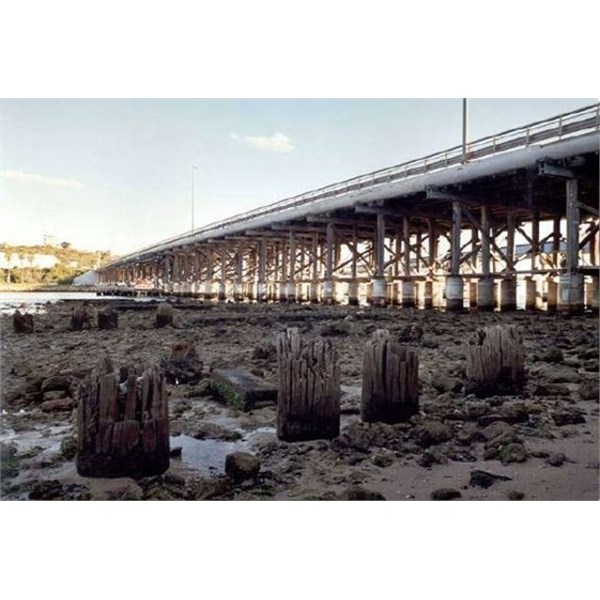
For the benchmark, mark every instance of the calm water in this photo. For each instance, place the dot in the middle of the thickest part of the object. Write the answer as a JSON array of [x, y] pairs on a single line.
[[35, 302]]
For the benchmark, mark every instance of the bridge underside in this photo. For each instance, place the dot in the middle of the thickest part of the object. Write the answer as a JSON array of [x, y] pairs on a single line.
[[457, 245]]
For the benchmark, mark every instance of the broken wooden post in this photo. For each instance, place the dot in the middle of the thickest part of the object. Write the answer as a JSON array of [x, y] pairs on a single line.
[[108, 318], [308, 401], [390, 387], [80, 318], [123, 422], [22, 322], [495, 361], [164, 315]]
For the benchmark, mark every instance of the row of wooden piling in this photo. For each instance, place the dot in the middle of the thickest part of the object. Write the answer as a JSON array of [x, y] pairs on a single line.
[[123, 415]]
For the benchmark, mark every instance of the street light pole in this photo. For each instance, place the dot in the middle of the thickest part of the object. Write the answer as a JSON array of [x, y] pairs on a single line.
[[194, 168], [464, 130]]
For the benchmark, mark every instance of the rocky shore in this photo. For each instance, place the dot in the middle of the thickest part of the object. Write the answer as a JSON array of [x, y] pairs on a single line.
[[539, 445]]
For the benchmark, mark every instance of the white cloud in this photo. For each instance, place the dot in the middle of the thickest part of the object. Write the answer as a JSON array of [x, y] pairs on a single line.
[[45, 179], [278, 142]]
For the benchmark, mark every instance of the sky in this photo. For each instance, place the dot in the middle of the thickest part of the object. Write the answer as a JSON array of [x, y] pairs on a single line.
[[117, 174]]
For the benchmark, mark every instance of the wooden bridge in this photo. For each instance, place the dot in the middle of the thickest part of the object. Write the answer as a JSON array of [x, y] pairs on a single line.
[[458, 228]]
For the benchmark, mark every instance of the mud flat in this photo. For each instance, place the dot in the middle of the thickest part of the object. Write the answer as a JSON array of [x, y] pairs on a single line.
[[539, 445]]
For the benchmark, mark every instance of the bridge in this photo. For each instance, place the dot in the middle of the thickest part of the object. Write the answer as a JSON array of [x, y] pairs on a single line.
[[461, 227]]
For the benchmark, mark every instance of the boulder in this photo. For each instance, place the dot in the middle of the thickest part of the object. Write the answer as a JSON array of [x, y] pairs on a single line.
[[430, 433], [357, 492], [60, 404], [445, 494], [242, 465], [510, 453], [22, 323], [483, 479], [567, 416], [183, 365]]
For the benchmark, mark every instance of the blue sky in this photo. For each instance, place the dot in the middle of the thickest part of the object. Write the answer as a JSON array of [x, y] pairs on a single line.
[[116, 174]]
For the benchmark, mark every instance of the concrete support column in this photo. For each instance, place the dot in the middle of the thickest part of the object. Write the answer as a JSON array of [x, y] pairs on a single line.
[[208, 284], [282, 293], [238, 286], [454, 282], [508, 294], [551, 295], [571, 293], [428, 295], [408, 287], [291, 287], [379, 283], [592, 300], [408, 294], [532, 297], [222, 289], [485, 294], [472, 294], [328, 285], [261, 286], [353, 293]]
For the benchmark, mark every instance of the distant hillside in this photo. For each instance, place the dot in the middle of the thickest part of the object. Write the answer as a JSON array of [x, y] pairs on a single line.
[[47, 264]]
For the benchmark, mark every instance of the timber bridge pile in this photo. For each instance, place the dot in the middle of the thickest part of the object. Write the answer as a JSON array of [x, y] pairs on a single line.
[[458, 228]]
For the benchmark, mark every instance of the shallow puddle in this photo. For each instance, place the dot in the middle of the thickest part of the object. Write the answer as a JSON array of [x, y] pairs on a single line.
[[208, 456]]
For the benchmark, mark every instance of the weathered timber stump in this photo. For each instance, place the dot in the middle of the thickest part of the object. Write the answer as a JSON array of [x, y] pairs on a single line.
[[495, 361], [183, 366], [390, 386], [308, 402], [22, 322], [164, 315], [80, 318], [123, 422], [108, 318]]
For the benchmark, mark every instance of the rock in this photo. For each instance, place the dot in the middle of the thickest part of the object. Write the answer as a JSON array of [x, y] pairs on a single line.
[[46, 490], [361, 436], [445, 494], [551, 389], [61, 404], [60, 382], [514, 412], [68, 447], [242, 465], [442, 383], [483, 479], [566, 416], [588, 390], [212, 431], [55, 395], [556, 459], [207, 489], [360, 493], [336, 328], [466, 434], [175, 452], [430, 433], [497, 430], [562, 374], [383, 458], [553, 355], [241, 389], [510, 453], [476, 410], [432, 456], [515, 495], [264, 351]]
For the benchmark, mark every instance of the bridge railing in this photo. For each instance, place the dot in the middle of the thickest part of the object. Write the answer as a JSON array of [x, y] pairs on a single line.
[[562, 126]]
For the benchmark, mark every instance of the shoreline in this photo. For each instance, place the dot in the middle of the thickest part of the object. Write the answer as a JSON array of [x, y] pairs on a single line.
[[553, 422]]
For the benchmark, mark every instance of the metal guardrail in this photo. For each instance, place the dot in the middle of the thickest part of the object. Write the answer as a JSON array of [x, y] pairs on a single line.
[[583, 120]]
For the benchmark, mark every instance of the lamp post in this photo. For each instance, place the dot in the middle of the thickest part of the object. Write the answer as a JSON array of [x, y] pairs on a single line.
[[464, 130], [194, 169]]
